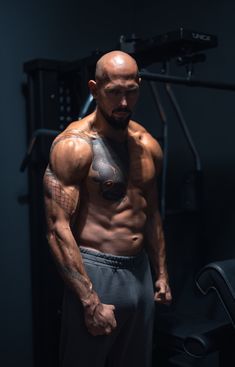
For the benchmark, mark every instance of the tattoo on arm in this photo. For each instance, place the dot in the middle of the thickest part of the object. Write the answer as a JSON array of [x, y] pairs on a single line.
[[73, 274], [58, 194], [85, 286]]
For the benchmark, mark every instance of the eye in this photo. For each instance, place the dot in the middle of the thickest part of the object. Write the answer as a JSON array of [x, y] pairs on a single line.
[[114, 92], [132, 92]]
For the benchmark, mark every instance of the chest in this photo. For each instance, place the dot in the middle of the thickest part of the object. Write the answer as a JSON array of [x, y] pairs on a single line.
[[115, 166]]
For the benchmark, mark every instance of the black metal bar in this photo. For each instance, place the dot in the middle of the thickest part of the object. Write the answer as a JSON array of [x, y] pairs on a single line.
[[36, 134], [186, 81], [86, 106], [183, 125]]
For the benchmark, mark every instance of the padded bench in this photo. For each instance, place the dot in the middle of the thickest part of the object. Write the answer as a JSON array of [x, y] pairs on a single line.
[[183, 340]]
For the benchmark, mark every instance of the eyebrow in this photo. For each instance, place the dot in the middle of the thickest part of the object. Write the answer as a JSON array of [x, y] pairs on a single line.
[[116, 87]]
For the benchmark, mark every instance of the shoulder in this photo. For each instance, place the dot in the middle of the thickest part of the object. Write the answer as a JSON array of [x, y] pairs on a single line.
[[71, 154], [149, 142]]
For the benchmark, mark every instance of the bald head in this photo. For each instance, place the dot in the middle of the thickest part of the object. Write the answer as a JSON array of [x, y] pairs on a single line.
[[115, 89], [115, 63]]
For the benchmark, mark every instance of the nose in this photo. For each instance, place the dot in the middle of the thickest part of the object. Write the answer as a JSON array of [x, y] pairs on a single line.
[[123, 101]]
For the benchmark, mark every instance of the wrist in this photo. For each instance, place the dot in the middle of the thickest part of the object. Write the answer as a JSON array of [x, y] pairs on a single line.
[[163, 275], [90, 302]]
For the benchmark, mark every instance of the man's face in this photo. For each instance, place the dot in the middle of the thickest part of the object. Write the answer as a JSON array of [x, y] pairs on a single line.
[[116, 99]]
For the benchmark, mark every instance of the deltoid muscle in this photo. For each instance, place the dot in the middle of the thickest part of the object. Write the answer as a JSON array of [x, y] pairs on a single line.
[[72, 135], [58, 194]]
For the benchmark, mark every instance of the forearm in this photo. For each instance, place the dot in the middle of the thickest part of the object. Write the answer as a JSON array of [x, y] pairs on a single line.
[[70, 265], [156, 245]]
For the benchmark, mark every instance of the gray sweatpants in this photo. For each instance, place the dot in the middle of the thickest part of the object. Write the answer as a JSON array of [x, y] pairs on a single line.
[[126, 283]]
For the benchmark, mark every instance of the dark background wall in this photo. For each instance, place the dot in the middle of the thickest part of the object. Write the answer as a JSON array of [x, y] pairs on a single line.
[[71, 30]]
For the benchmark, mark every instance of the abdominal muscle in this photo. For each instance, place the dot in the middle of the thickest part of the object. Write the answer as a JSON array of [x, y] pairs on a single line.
[[117, 229]]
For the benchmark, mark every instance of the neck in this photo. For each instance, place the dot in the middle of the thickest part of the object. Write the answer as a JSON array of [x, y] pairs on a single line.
[[103, 128]]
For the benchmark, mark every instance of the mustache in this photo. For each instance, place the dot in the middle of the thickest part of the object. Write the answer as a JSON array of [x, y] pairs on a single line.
[[122, 110]]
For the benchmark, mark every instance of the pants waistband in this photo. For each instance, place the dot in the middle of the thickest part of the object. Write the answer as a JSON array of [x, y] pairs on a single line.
[[112, 260]]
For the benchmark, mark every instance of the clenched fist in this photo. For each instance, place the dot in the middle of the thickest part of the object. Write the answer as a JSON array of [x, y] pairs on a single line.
[[102, 319]]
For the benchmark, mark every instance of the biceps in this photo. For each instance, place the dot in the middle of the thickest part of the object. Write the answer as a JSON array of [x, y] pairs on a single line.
[[58, 195]]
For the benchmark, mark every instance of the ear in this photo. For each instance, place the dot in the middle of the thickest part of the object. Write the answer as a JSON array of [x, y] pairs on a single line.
[[139, 80], [93, 88]]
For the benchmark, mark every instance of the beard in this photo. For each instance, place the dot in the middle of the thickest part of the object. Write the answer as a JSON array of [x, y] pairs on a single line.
[[118, 123]]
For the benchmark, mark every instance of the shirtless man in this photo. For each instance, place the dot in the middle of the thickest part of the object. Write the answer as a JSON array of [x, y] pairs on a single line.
[[102, 213]]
